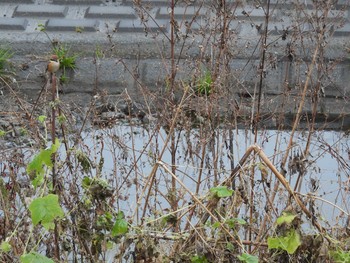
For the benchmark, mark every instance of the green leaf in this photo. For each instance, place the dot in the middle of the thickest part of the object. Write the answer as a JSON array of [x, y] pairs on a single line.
[[109, 245], [42, 118], [86, 182], [2, 133], [199, 259], [289, 243], [34, 257], [248, 258], [231, 222], [55, 146], [340, 256], [230, 246], [286, 217], [42, 159], [120, 226], [41, 27], [45, 210], [38, 180], [221, 191], [120, 215], [62, 119], [216, 225], [5, 246]]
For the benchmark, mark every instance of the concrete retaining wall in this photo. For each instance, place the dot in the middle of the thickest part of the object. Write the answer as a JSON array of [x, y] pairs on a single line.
[[132, 42]]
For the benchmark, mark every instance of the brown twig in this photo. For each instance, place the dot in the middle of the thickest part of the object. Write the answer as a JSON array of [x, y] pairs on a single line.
[[281, 179], [150, 178]]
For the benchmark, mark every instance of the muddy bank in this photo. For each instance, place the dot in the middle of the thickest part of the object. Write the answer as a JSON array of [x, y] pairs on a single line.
[[99, 110]]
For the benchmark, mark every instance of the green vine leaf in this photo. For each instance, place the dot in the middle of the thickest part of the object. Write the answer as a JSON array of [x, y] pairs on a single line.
[[45, 210], [120, 226], [290, 242], [34, 257], [286, 217], [221, 191], [5, 246], [246, 258], [36, 168]]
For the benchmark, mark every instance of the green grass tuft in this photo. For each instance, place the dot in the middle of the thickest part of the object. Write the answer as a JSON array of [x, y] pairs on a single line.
[[5, 55], [67, 60], [204, 84]]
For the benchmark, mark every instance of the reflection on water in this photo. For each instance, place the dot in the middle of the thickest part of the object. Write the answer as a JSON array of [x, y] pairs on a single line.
[[204, 159]]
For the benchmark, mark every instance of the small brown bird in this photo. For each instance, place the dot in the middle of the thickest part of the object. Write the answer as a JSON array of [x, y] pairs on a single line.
[[54, 64]]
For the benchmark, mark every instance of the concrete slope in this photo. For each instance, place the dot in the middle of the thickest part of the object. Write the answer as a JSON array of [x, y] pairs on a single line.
[[125, 46]]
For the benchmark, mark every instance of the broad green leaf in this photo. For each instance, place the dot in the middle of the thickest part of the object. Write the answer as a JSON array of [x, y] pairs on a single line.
[[289, 243], [45, 210], [5, 246], [221, 191], [2, 133], [286, 217], [248, 258], [120, 226], [34, 257], [37, 165]]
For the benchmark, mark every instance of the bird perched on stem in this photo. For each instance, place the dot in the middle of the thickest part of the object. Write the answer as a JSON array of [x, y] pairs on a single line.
[[52, 67], [54, 64]]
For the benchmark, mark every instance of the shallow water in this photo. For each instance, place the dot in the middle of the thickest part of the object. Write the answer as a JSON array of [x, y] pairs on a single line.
[[326, 177]]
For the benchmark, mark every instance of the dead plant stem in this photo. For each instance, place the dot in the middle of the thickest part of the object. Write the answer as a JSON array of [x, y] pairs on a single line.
[[280, 178], [257, 120], [53, 157], [150, 178], [238, 242]]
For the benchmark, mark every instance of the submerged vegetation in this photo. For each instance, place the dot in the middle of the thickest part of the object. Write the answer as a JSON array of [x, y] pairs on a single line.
[[191, 174]]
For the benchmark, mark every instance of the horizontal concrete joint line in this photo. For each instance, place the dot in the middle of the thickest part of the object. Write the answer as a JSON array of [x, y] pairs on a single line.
[[78, 2], [137, 26], [77, 25], [250, 13], [17, 1], [342, 31], [40, 11], [147, 2], [118, 12], [180, 12]]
